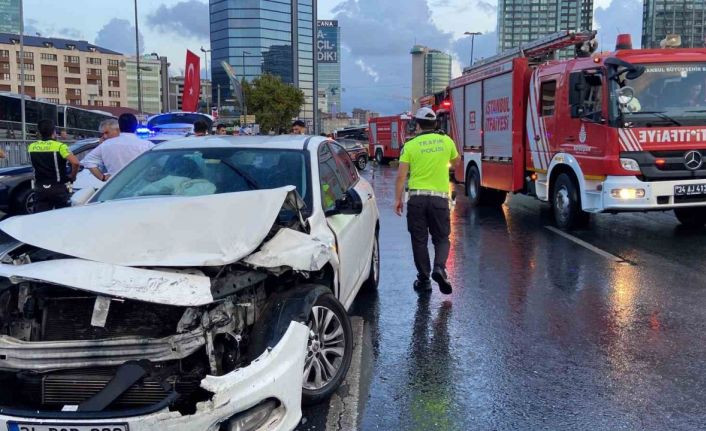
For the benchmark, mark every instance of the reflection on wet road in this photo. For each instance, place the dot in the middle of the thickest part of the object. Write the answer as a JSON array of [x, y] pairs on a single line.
[[540, 333]]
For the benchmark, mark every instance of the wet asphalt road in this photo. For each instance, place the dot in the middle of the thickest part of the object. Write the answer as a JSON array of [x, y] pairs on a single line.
[[540, 333]]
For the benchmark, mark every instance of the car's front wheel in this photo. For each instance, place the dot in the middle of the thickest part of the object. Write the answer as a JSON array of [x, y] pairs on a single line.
[[329, 349], [362, 162], [24, 201]]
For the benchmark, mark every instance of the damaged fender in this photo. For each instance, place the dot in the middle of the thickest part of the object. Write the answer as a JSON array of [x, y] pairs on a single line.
[[292, 249]]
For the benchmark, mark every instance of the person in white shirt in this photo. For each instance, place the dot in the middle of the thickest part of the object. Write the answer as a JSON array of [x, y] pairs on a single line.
[[121, 146]]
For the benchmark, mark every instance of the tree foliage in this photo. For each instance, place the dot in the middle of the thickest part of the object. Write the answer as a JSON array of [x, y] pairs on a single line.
[[273, 102]]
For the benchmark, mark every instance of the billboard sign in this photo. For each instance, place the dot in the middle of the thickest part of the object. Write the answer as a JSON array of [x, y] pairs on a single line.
[[327, 42]]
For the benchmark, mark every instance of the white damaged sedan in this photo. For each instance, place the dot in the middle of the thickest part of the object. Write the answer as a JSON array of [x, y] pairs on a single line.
[[207, 290]]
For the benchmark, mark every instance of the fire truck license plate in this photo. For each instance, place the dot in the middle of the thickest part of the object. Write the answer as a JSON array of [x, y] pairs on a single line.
[[18, 426], [690, 190]]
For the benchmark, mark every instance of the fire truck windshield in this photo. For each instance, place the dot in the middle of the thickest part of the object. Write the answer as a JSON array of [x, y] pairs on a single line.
[[665, 93]]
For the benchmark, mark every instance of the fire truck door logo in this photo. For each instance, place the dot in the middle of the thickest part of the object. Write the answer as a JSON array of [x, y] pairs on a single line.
[[472, 120], [693, 160], [582, 134]]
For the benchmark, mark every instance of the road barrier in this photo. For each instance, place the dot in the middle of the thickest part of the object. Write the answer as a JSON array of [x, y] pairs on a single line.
[[15, 152]]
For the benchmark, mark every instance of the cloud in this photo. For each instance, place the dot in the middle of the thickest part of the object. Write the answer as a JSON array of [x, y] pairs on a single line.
[[621, 16], [188, 18], [377, 66], [71, 33], [119, 35], [485, 46]]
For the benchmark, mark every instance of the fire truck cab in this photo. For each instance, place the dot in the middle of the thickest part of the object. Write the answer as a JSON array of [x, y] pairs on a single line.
[[610, 132]]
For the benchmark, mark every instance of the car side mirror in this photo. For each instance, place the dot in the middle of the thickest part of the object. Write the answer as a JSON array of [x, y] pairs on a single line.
[[350, 204], [82, 196]]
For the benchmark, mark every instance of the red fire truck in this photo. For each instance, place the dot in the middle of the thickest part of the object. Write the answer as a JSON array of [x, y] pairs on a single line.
[[388, 135], [609, 132]]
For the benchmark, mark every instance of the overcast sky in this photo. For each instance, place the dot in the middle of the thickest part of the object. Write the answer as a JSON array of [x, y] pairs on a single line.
[[376, 34]]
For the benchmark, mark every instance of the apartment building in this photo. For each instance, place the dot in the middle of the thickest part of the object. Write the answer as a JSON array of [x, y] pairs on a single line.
[[72, 72]]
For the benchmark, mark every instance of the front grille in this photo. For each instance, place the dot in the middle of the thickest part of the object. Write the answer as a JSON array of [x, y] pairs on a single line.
[[59, 389], [674, 167], [70, 319]]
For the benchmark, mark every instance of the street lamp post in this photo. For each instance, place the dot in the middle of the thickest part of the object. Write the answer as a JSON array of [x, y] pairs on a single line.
[[205, 54], [473, 35], [137, 55], [22, 72], [245, 105]]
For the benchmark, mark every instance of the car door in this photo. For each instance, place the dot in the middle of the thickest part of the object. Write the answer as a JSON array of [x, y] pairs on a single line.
[[354, 233], [84, 178]]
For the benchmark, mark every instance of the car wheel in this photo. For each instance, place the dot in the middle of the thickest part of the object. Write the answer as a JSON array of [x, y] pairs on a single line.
[[567, 204], [374, 277], [329, 350], [23, 202], [379, 158], [362, 162], [691, 217]]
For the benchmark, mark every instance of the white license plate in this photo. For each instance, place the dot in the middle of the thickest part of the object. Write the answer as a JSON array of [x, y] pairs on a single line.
[[690, 190], [19, 426]]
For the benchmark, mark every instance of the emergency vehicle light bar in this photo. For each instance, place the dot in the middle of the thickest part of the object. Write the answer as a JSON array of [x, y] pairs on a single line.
[[537, 48]]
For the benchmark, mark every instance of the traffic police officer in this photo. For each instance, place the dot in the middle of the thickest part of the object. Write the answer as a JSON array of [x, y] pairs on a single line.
[[49, 159], [426, 159]]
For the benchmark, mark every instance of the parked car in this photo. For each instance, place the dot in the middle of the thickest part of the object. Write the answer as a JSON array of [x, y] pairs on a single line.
[[357, 150], [16, 194], [210, 293]]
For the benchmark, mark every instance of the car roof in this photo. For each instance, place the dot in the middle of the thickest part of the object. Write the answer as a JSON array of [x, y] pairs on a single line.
[[281, 142]]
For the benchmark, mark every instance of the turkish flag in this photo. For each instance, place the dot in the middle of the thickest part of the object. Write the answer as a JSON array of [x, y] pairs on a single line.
[[192, 83]]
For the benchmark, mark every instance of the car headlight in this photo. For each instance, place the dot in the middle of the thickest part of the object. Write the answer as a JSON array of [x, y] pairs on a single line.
[[630, 165]]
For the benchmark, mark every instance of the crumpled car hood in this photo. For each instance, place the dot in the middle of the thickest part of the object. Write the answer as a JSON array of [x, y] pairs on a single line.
[[209, 230]]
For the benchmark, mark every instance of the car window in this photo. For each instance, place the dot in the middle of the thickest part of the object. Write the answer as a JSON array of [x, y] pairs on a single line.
[[330, 178], [348, 171], [192, 172]]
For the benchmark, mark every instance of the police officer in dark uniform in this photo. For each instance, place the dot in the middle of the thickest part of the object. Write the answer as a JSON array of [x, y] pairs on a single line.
[[51, 180], [426, 159]]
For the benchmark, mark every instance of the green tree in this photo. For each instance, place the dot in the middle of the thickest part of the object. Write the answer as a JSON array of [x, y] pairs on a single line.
[[273, 102]]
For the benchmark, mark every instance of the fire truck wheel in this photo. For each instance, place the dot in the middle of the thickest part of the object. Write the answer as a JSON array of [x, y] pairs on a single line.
[[481, 196], [379, 158], [567, 204], [691, 217]]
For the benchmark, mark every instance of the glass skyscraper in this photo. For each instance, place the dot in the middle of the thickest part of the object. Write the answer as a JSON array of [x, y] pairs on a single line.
[[10, 16], [521, 21], [265, 36], [431, 72], [686, 18], [328, 50]]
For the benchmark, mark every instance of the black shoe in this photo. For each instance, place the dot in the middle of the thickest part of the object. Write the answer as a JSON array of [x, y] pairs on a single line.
[[439, 275], [422, 285]]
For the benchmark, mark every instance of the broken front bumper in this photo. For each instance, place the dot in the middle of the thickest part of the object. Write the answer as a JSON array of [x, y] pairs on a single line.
[[275, 375]]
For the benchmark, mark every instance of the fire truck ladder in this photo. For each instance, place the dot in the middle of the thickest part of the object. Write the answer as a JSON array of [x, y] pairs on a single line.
[[538, 49]]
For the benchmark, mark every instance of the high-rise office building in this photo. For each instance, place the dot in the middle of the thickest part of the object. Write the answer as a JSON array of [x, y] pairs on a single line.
[[151, 84], [265, 36], [521, 21], [328, 51], [10, 16], [431, 72], [686, 18]]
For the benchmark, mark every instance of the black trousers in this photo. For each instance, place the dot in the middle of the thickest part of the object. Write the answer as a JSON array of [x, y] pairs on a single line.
[[429, 215], [51, 196]]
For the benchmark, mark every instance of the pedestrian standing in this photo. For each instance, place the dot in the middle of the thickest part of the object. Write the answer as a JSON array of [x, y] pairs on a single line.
[[221, 129], [299, 128], [426, 159], [200, 128], [51, 179], [116, 151]]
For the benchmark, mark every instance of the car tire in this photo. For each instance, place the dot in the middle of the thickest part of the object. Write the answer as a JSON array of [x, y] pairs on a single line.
[[691, 217], [566, 204], [379, 158], [23, 201], [362, 162], [373, 280], [319, 380]]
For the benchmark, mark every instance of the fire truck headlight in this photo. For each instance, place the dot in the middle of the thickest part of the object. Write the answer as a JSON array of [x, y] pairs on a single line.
[[630, 165], [627, 194]]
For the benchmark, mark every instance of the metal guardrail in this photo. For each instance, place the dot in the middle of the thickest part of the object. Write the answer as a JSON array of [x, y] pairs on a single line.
[[15, 152]]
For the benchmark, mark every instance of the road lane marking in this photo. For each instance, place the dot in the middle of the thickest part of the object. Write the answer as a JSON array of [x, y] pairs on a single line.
[[586, 245], [344, 407]]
